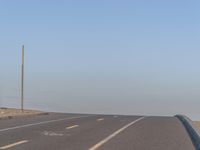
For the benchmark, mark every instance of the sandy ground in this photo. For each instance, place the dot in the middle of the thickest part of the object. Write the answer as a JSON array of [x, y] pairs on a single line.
[[12, 112], [197, 123]]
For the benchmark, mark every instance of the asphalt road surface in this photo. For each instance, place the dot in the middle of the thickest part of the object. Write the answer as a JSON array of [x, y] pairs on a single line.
[[93, 132]]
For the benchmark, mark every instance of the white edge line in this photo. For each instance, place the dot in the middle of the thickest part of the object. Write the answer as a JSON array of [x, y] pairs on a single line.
[[44, 122], [95, 147]]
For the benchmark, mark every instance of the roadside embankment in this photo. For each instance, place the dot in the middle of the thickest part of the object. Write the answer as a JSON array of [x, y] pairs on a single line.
[[9, 113]]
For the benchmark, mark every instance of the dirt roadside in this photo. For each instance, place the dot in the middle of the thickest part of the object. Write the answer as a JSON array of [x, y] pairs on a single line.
[[9, 113], [197, 124]]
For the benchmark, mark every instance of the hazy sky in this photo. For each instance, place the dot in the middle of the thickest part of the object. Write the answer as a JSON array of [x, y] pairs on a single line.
[[107, 56]]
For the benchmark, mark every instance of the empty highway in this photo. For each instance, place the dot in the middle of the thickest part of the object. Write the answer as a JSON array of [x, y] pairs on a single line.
[[58, 131]]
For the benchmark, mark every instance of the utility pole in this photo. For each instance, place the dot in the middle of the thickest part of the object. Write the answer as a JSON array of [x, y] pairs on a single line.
[[22, 81]]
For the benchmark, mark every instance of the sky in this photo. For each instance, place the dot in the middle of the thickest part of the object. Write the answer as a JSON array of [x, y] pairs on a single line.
[[136, 57]]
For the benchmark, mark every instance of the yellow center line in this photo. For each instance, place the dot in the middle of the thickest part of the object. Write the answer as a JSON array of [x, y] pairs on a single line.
[[74, 126], [100, 119], [14, 144]]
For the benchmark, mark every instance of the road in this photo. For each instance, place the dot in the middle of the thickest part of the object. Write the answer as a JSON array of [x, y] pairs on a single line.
[[58, 131]]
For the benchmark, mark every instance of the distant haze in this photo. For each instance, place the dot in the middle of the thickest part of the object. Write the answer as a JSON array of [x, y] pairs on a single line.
[[111, 57]]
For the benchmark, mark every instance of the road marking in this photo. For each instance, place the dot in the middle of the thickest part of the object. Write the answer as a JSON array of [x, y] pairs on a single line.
[[14, 144], [50, 133], [71, 127], [44, 122], [100, 119], [95, 147]]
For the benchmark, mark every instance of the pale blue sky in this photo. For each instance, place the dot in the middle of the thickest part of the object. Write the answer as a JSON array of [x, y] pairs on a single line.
[[108, 56]]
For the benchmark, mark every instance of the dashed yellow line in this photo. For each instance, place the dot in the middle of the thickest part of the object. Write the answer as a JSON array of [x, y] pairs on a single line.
[[100, 119], [71, 127], [14, 144]]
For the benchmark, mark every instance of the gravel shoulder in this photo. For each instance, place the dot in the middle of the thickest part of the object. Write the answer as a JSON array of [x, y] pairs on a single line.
[[9, 113]]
